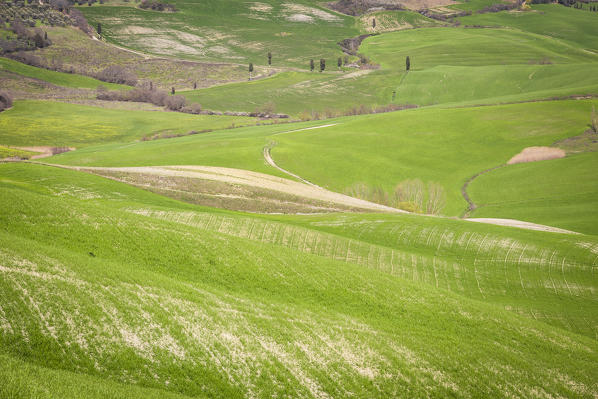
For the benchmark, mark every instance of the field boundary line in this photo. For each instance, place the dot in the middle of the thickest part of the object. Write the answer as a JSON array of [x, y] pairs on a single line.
[[471, 206]]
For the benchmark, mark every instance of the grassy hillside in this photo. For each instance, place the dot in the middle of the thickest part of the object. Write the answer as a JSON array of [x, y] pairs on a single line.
[[32, 123], [566, 24], [500, 65], [301, 93], [196, 311], [57, 78], [125, 286], [7, 152], [228, 30], [378, 150], [394, 20], [561, 192], [75, 49], [432, 47]]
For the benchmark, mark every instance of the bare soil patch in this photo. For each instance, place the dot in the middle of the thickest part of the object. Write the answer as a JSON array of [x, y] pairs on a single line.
[[223, 195], [258, 181], [533, 154], [361, 7], [301, 13], [45, 151], [300, 18]]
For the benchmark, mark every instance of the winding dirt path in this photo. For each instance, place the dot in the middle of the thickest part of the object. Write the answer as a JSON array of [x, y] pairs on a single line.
[[270, 160]]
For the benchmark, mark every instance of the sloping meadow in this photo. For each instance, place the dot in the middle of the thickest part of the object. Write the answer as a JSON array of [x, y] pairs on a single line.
[[107, 280]]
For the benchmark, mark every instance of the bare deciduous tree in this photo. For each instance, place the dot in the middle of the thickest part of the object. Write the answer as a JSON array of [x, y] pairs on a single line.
[[436, 198]]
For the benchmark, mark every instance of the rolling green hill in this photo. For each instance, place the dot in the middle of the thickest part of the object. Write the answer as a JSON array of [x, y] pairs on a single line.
[[444, 146], [449, 67], [105, 290], [122, 283], [227, 30], [560, 192], [566, 24], [34, 123]]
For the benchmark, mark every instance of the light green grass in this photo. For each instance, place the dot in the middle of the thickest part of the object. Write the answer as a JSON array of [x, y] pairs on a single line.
[[22, 380], [473, 5], [217, 309], [466, 86], [577, 27], [227, 30], [446, 146], [299, 93], [56, 78], [61, 124], [428, 48], [7, 152], [449, 67], [561, 192]]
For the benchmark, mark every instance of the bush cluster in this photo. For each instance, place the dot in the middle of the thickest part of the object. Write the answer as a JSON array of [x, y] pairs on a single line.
[[117, 74], [356, 110], [156, 5], [33, 60], [411, 195], [145, 95], [24, 38], [498, 7], [5, 100]]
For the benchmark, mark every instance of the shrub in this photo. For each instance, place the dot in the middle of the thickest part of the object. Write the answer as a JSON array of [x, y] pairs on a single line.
[[194, 108], [60, 5], [156, 6], [175, 103], [117, 74], [5, 100], [158, 97], [19, 29], [80, 21], [30, 59]]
